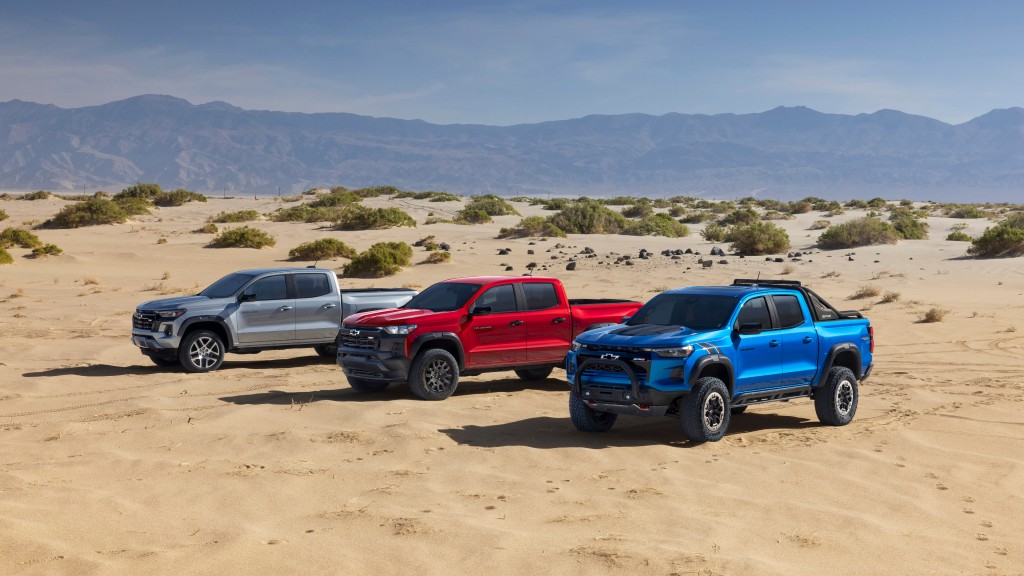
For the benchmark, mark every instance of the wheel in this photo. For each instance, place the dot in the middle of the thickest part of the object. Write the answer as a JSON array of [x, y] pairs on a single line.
[[327, 351], [835, 402], [737, 410], [532, 374], [586, 419], [201, 351], [434, 374], [704, 412], [164, 362], [367, 386]]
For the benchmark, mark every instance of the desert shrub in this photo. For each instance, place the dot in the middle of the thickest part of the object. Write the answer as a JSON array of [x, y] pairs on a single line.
[[335, 198], [5, 257], [877, 203], [443, 197], [638, 210], [889, 297], [6, 196], [968, 211], [243, 237], [177, 198], [491, 204], [866, 231], [696, 217], [18, 237], [557, 203], [776, 215], [381, 259], [374, 191], [908, 226], [322, 249], [3, 215], [800, 207], [208, 228], [1001, 240], [362, 218], [439, 257], [468, 216], [37, 195], [933, 315], [239, 216], [532, 226], [657, 225], [856, 204], [676, 211], [307, 213], [820, 224], [866, 292], [740, 216], [144, 191], [959, 236], [92, 212], [132, 206], [161, 241], [46, 250], [620, 201], [586, 216], [758, 238], [713, 232]]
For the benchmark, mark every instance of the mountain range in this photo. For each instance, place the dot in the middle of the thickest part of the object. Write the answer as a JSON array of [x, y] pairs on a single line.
[[786, 152]]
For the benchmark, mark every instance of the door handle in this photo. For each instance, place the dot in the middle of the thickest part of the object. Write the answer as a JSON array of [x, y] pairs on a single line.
[[558, 320], [774, 343], [284, 308], [516, 323], [325, 306], [808, 339]]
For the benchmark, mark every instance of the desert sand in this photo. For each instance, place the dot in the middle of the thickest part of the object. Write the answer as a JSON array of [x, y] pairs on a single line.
[[273, 465]]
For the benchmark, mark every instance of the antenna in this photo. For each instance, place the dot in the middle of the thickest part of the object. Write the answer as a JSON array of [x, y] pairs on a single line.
[[314, 264]]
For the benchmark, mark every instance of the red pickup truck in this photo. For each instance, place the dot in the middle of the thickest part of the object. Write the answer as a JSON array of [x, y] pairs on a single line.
[[466, 326]]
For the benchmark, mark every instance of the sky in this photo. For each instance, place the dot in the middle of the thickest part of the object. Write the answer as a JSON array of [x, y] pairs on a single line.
[[515, 62]]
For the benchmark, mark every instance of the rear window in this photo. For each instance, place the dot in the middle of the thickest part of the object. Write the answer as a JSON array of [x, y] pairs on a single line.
[[540, 295], [311, 285], [788, 308]]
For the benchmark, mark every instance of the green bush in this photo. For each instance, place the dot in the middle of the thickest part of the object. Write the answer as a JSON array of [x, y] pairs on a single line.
[[3, 215], [959, 236], [758, 238], [638, 210], [1001, 240], [908, 226], [362, 218], [339, 198], [374, 191], [208, 228], [968, 211], [620, 201], [658, 225], [322, 249], [178, 197], [713, 232], [536, 226], [877, 203], [856, 204], [866, 231], [468, 216], [240, 216], [696, 217], [585, 216], [140, 190], [93, 212], [46, 250], [556, 203], [307, 213], [18, 237], [740, 216], [37, 195], [244, 237], [491, 204], [438, 257], [5, 257], [381, 259]]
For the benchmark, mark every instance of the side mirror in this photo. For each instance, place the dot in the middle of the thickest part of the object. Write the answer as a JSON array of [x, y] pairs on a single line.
[[751, 328], [247, 297], [480, 310], [625, 319]]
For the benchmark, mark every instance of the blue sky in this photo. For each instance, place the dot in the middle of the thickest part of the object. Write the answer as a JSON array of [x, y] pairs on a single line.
[[520, 62]]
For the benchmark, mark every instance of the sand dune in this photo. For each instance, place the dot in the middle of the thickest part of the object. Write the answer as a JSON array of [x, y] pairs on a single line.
[[272, 465]]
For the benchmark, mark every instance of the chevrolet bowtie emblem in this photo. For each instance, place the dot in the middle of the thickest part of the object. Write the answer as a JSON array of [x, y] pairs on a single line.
[[609, 356], [353, 332]]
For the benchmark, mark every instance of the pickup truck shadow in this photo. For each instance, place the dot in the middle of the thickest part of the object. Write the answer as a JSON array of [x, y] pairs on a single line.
[[106, 370], [545, 432]]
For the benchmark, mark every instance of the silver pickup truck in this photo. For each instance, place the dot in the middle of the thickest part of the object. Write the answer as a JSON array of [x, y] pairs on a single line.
[[251, 311]]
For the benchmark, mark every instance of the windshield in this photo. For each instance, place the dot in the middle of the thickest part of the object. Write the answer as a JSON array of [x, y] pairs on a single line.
[[227, 285], [443, 297], [696, 311]]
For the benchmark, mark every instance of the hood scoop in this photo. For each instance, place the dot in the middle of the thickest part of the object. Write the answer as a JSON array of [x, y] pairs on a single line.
[[645, 330]]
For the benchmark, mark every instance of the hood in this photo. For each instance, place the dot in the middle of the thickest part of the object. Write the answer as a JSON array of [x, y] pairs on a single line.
[[171, 303], [399, 316], [639, 336]]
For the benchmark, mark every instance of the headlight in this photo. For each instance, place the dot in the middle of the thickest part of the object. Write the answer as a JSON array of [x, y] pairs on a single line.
[[170, 313], [575, 346], [681, 352], [404, 329]]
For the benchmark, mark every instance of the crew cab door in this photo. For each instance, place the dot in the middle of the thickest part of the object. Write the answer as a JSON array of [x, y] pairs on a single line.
[[495, 333], [799, 340], [758, 361], [317, 307], [266, 314], [548, 325]]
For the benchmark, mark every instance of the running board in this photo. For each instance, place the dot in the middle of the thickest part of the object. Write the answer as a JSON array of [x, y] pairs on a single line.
[[776, 395]]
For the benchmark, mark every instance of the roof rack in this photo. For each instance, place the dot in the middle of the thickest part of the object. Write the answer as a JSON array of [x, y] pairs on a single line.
[[766, 282]]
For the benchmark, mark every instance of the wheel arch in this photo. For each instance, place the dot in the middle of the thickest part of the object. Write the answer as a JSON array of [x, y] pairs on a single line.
[[717, 365], [845, 354], [444, 340], [215, 324]]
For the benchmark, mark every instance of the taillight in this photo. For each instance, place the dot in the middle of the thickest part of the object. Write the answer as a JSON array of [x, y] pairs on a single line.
[[871, 336]]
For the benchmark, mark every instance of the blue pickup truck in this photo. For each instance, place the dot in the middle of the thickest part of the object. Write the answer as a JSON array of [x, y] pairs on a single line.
[[705, 353]]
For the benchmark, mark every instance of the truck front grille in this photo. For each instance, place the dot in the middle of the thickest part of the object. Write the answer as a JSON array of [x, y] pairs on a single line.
[[355, 338], [144, 320]]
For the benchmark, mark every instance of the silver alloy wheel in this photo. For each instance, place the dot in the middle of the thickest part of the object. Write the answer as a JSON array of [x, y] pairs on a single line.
[[714, 411], [204, 353], [438, 376], [844, 397]]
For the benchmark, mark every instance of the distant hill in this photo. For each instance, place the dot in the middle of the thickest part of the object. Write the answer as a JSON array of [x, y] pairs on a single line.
[[782, 153]]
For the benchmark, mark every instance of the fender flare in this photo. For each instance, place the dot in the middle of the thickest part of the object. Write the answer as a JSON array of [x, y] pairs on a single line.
[[833, 353], [228, 335], [423, 339], [712, 360]]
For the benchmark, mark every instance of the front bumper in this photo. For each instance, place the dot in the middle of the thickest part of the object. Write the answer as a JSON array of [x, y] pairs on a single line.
[[624, 392], [155, 343], [372, 354]]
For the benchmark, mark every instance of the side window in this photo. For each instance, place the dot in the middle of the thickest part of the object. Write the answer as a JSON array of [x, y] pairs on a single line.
[[499, 299], [311, 285], [788, 308], [269, 288], [540, 295], [755, 311]]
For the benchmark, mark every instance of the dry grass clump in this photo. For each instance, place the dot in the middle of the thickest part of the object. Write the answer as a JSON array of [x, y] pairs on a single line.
[[933, 315], [866, 292], [820, 225], [788, 269], [438, 257], [3, 215], [161, 240], [5, 257], [46, 250], [37, 195], [889, 297], [208, 228], [90, 281]]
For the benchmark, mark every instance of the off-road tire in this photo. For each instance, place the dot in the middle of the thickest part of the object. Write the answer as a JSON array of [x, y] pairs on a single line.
[[367, 386], [164, 361], [434, 374], [586, 419], [327, 351], [835, 401], [737, 410], [704, 412], [201, 351], [533, 374]]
